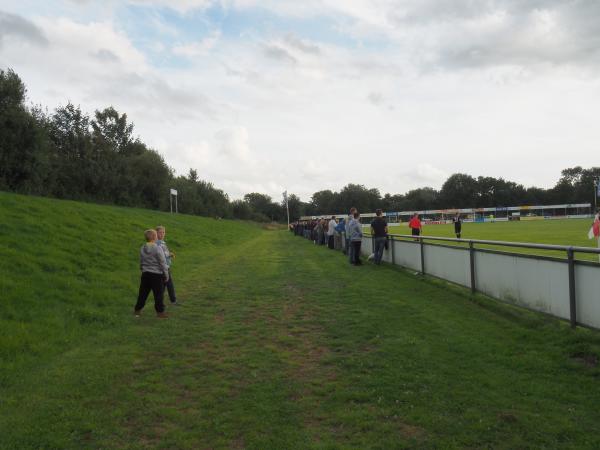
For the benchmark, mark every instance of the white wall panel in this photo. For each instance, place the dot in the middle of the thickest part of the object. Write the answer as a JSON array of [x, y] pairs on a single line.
[[449, 264]]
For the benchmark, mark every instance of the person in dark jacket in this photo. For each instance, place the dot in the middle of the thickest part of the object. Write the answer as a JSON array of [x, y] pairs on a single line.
[[379, 230], [457, 220]]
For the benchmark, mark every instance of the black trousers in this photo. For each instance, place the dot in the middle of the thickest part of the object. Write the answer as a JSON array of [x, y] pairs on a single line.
[[356, 252], [171, 289], [457, 229], [330, 241], [154, 282]]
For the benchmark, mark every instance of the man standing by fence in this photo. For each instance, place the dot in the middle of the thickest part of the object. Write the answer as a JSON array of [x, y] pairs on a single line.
[[356, 235], [348, 246], [379, 230], [330, 232]]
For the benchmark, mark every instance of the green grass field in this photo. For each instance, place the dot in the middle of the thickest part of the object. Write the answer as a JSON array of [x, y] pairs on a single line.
[[279, 345], [568, 232]]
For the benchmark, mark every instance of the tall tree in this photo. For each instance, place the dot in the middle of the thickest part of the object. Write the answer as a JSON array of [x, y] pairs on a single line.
[[111, 130], [459, 191], [296, 206], [23, 143], [358, 196], [421, 199], [324, 202], [69, 132]]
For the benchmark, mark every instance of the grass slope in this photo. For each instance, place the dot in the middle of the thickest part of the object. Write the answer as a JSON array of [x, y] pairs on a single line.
[[281, 344], [70, 269]]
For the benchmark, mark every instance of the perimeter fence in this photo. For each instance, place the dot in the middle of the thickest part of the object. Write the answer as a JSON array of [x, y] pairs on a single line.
[[566, 287], [556, 283]]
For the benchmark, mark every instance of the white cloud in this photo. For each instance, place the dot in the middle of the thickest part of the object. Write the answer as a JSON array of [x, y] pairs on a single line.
[[182, 6], [406, 94], [233, 143], [199, 48]]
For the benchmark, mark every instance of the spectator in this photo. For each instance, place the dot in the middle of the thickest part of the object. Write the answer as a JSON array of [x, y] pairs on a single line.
[[339, 232], [379, 230], [319, 230], [348, 245], [356, 234], [457, 220], [325, 226], [330, 232], [155, 273], [415, 226], [169, 256]]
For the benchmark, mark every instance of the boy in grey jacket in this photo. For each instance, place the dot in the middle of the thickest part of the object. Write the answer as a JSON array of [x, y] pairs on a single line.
[[155, 273], [169, 255]]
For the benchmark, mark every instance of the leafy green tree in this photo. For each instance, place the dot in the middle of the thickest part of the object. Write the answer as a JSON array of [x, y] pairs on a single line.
[[111, 131], [23, 139], [585, 190], [394, 202], [324, 202], [358, 196], [575, 185], [459, 191], [241, 210], [259, 203], [296, 206], [72, 166], [421, 199], [145, 182]]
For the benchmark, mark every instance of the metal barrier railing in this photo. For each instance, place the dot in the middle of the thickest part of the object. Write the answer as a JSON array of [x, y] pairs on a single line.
[[569, 260], [471, 245]]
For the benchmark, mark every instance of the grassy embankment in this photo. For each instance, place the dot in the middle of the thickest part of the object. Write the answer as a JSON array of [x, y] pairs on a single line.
[[281, 344]]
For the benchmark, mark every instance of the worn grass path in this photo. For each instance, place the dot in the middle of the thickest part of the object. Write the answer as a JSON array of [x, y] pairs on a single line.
[[283, 345]]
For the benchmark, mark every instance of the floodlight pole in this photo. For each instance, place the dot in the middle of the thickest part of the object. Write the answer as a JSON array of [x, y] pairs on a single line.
[[596, 183], [287, 208]]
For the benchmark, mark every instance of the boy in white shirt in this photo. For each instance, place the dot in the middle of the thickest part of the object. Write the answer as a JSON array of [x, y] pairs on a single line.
[[169, 255]]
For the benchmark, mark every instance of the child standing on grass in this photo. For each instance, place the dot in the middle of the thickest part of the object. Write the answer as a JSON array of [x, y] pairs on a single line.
[[155, 273], [161, 232]]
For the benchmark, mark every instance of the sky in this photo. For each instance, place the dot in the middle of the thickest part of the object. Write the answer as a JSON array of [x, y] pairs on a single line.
[[273, 95]]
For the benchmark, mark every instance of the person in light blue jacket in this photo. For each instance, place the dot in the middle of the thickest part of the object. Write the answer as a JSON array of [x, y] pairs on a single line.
[[348, 246], [356, 234]]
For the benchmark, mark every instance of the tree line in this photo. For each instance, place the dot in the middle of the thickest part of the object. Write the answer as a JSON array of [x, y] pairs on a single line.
[[72, 155], [576, 185]]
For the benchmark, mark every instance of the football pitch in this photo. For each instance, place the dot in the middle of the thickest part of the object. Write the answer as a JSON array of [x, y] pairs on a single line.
[[568, 232]]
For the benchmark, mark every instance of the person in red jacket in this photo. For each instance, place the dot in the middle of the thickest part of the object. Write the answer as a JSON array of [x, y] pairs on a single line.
[[415, 225]]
